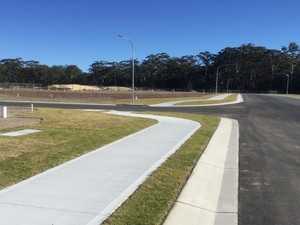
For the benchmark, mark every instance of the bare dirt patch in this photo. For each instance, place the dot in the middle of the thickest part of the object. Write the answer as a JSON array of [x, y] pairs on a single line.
[[87, 96], [17, 122], [16, 118]]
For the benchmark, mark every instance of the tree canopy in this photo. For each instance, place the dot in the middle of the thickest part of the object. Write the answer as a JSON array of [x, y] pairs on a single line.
[[245, 68]]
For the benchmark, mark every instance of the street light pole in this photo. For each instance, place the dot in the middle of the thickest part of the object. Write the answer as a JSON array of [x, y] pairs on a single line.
[[132, 48], [287, 84], [217, 76], [228, 85]]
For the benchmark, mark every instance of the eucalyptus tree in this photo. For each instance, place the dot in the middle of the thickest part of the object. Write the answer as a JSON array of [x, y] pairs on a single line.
[[293, 63], [229, 62], [99, 71], [74, 74], [187, 73], [29, 72], [11, 70], [252, 67], [293, 53], [124, 76], [58, 75], [154, 70], [44, 75], [206, 59]]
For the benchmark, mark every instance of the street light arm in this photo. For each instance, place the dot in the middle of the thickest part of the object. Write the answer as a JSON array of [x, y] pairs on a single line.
[[126, 38]]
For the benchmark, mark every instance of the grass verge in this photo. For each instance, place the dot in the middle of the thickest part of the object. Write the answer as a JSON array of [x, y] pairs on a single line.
[[153, 200], [291, 95], [230, 98], [152, 101], [141, 101], [66, 134], [102, 97]]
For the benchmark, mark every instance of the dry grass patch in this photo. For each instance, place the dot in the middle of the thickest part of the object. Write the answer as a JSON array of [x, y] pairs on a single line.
[[293, 95], [150, 101]]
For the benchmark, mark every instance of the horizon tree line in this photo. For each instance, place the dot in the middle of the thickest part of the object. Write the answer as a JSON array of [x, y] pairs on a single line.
[[247, 68]]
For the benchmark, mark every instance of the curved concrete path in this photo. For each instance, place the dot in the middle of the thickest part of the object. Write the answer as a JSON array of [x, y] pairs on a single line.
[[173, 103], [88, 189], [215, 98], [210, 196]]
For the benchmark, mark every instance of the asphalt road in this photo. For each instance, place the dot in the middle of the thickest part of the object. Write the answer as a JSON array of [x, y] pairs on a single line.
[[269, 183], [269, 176]]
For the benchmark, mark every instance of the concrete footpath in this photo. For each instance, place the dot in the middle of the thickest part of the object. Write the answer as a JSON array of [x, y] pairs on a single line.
[[215, 98], [88, 189], [210, 196]]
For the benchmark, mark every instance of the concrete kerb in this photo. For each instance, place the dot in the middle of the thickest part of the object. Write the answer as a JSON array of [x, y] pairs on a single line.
[[210, 196]]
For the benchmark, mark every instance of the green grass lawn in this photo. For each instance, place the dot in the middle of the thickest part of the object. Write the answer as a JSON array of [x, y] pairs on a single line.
[[66, 134], [151, 101], [151, 203]]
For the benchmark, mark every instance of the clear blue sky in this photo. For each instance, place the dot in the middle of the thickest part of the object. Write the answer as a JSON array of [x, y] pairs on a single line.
[[65, 32]]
